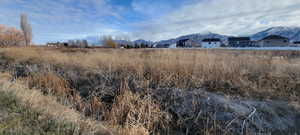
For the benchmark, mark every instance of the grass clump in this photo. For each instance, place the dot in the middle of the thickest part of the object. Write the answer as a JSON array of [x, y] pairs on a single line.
[[137, 114], [20, 120]]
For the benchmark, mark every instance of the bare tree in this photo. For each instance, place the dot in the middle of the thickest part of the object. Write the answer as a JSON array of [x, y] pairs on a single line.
[[109, 42], [26, 29]]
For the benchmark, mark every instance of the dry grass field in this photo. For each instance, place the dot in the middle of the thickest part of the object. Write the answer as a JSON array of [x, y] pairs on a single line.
[[152, 91]]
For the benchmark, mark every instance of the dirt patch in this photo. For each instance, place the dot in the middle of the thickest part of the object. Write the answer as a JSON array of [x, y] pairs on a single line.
[[197, 108]]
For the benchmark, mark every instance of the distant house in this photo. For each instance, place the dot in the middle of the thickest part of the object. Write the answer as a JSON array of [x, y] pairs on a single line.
[[186, 43], [239, 42], [64, 44], [70, 44], [211, 43], [296, 43], [274, 41], [254, 44], [57, 44], [51, 44]]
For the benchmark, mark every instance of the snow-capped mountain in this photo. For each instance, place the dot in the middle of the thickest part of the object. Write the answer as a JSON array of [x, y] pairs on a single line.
[[195, 37], [293, 33]]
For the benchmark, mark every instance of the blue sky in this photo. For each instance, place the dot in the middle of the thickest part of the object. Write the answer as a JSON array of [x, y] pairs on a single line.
[[59, 20]]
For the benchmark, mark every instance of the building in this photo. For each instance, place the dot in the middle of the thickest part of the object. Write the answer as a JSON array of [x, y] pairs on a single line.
[[57, 44], [239, 42], [187, 43], [274, 41], [254, 44], [51, 44], [184, 43], [296, 43], [211, 43], [70, 44]]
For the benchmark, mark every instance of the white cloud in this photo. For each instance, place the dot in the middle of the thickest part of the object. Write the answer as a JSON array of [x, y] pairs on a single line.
[[61, 17], [235, 17]]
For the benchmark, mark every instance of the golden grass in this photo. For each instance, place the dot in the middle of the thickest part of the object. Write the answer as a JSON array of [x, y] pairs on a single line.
[[218, 70], [50, 82], [131, 111], [250, 74]]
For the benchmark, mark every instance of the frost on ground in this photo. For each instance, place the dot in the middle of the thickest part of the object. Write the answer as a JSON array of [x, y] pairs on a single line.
[[235, 115]]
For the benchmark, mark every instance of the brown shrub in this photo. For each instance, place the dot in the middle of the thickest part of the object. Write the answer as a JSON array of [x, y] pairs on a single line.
[[10, 36], [50, 83], [109, 42], [136, 114]]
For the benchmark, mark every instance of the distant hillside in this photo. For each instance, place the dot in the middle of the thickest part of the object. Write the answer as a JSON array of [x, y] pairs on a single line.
[[293, 33], [195, 37]]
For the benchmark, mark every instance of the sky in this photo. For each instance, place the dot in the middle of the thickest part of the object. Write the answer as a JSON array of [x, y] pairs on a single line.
[[61, 20]]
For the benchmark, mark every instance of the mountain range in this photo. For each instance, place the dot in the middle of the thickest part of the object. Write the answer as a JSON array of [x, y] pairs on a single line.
[[195, 37], [293, 33]]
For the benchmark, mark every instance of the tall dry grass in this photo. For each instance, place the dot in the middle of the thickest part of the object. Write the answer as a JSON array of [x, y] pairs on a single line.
[[130, 75], [238, 73]]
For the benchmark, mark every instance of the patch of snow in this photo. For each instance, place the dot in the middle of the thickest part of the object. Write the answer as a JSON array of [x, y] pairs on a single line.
[[195, 37], [293, 33]]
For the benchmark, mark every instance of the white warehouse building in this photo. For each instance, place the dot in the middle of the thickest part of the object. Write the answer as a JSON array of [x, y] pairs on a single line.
[[211, 43]]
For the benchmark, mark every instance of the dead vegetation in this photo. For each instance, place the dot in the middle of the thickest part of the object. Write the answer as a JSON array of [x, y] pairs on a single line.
[[10, 36], [31, 112], [128, 88]]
